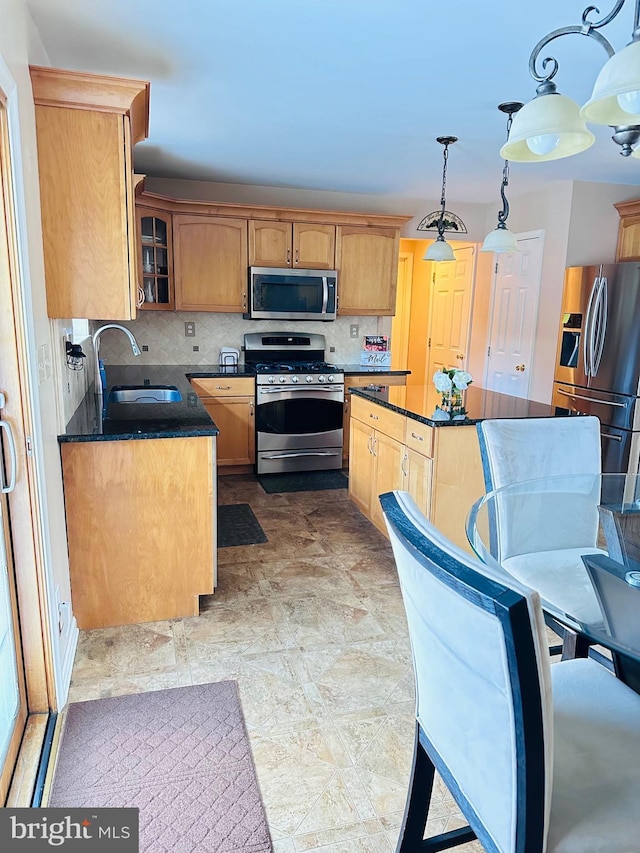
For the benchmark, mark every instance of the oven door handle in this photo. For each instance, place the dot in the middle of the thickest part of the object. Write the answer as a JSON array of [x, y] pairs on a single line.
[[329, 388], [325, 295], [308, 453]]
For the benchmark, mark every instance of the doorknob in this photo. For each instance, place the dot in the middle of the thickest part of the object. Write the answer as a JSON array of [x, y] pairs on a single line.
[[460, 356], [520, 367]]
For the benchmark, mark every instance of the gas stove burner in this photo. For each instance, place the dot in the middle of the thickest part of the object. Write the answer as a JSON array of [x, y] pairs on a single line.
[[296, 367]]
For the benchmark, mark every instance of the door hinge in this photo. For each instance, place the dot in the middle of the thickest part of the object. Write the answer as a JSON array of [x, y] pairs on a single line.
[[488, 352], [496, 270], [429, 342], [29, 444]]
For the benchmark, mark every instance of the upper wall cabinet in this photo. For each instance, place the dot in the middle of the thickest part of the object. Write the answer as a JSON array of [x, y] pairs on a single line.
[[628, 231], [155, 259], [86, 128], [367, 264], [306, 245], [210, 263]]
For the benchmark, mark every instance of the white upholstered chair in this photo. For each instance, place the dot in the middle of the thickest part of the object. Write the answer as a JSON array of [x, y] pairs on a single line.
[[539, 758], [547, 555]]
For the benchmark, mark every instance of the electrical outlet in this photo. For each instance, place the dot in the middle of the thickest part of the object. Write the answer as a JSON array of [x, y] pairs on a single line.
[[190, 329], [192, 399], [354, 330], [332, 349]]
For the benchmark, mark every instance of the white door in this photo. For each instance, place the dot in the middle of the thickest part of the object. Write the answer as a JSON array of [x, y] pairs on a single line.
[[450, 317], [514, 315]]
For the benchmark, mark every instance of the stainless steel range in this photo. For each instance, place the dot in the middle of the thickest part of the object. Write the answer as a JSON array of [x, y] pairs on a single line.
[[299, 402]]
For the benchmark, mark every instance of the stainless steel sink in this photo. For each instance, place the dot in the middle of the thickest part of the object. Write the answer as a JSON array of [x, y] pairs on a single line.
[[145, 394]]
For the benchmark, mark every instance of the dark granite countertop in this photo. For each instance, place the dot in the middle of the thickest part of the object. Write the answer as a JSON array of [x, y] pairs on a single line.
[[480, 404], [147, 420]]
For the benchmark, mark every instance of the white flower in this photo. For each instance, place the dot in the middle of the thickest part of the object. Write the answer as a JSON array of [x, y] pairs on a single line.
[[441, 381], [461, 379]]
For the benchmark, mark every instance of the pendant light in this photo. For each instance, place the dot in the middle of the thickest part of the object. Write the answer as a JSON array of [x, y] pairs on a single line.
[[552, 126], [440, 250], [501, 240]]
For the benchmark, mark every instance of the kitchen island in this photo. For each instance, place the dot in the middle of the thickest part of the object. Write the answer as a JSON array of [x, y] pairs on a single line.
[[396, 444]]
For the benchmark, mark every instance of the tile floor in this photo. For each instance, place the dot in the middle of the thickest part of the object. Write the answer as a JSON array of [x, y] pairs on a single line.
[[312, 627]]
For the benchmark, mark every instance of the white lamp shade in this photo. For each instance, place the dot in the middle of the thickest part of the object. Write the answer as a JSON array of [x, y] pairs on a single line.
[[500, 240], [547, 115], [619, 76], [440, 250]]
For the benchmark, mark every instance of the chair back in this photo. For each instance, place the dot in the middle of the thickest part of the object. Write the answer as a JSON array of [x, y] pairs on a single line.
[[482, 681], [519, 450]]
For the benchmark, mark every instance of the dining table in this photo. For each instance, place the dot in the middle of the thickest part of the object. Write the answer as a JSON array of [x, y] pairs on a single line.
[[576, 540]]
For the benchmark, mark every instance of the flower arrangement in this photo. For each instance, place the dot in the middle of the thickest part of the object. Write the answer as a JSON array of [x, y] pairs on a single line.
[[451, 383]]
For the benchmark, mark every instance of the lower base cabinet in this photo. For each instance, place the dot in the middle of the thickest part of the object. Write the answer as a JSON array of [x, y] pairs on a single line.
[[439, 467], [141, 528], [231, 404]]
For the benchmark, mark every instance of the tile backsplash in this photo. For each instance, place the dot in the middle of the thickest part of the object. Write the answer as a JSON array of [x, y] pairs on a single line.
[[163, 332]]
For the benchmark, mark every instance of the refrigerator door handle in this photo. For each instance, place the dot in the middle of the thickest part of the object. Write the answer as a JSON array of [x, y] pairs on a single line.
[[591, 399], [587, 351], [600, 323], [610, 437]]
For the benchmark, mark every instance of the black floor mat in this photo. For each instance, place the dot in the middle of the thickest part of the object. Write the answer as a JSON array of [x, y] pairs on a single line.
[[237, 525], [303, 481]]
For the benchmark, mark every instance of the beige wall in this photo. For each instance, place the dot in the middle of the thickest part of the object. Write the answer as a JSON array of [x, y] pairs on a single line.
[[593, 229], [20, 45]]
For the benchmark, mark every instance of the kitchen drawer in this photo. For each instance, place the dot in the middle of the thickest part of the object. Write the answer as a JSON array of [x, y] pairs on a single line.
[[378, 418], [225, 386], [419, 437]]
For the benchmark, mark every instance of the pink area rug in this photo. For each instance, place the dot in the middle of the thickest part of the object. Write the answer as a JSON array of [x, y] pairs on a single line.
[[182, 756]]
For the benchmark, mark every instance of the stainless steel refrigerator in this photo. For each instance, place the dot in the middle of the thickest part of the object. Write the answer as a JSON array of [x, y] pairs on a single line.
[[598, 357]]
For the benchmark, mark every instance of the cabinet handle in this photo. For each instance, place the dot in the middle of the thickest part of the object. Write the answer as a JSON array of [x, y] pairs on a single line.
[[375, 417], [417, 437], [251, 409], [375, 441], [223, 387], [369, 441], [404, 459], [297, 260], [288, 257], [140, 296], [244, 300]]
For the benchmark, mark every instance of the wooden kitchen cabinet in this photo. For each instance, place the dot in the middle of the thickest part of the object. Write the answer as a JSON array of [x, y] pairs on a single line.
[[367, 264], [86, 127], [628, 248], [231, 403], [303, 245], [360, 381], [155, 259], [377, 453], [141, 528], [440, 467], [210, 263]]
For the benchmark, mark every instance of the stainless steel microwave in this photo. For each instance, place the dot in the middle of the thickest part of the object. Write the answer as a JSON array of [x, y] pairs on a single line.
[[292, 294]]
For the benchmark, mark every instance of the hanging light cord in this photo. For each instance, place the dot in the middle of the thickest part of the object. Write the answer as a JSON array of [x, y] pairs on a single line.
[[504, 213], [443, 201]]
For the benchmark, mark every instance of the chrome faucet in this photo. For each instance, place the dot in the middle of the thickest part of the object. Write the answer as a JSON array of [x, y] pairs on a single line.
[[95, 340]]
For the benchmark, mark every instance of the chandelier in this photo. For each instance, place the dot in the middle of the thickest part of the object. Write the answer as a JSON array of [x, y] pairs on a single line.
[[440, 250], [552, 125]]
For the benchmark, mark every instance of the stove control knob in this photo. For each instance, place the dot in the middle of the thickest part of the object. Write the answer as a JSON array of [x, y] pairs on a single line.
[[270, 380], [330, 378], [308, 379], [282, 379], [321, 379], [294, 378]]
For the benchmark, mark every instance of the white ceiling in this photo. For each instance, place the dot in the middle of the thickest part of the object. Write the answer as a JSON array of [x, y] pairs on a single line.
[[340, 95]]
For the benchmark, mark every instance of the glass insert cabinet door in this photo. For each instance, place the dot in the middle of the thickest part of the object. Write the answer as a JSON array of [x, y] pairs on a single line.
[[155, 261]]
